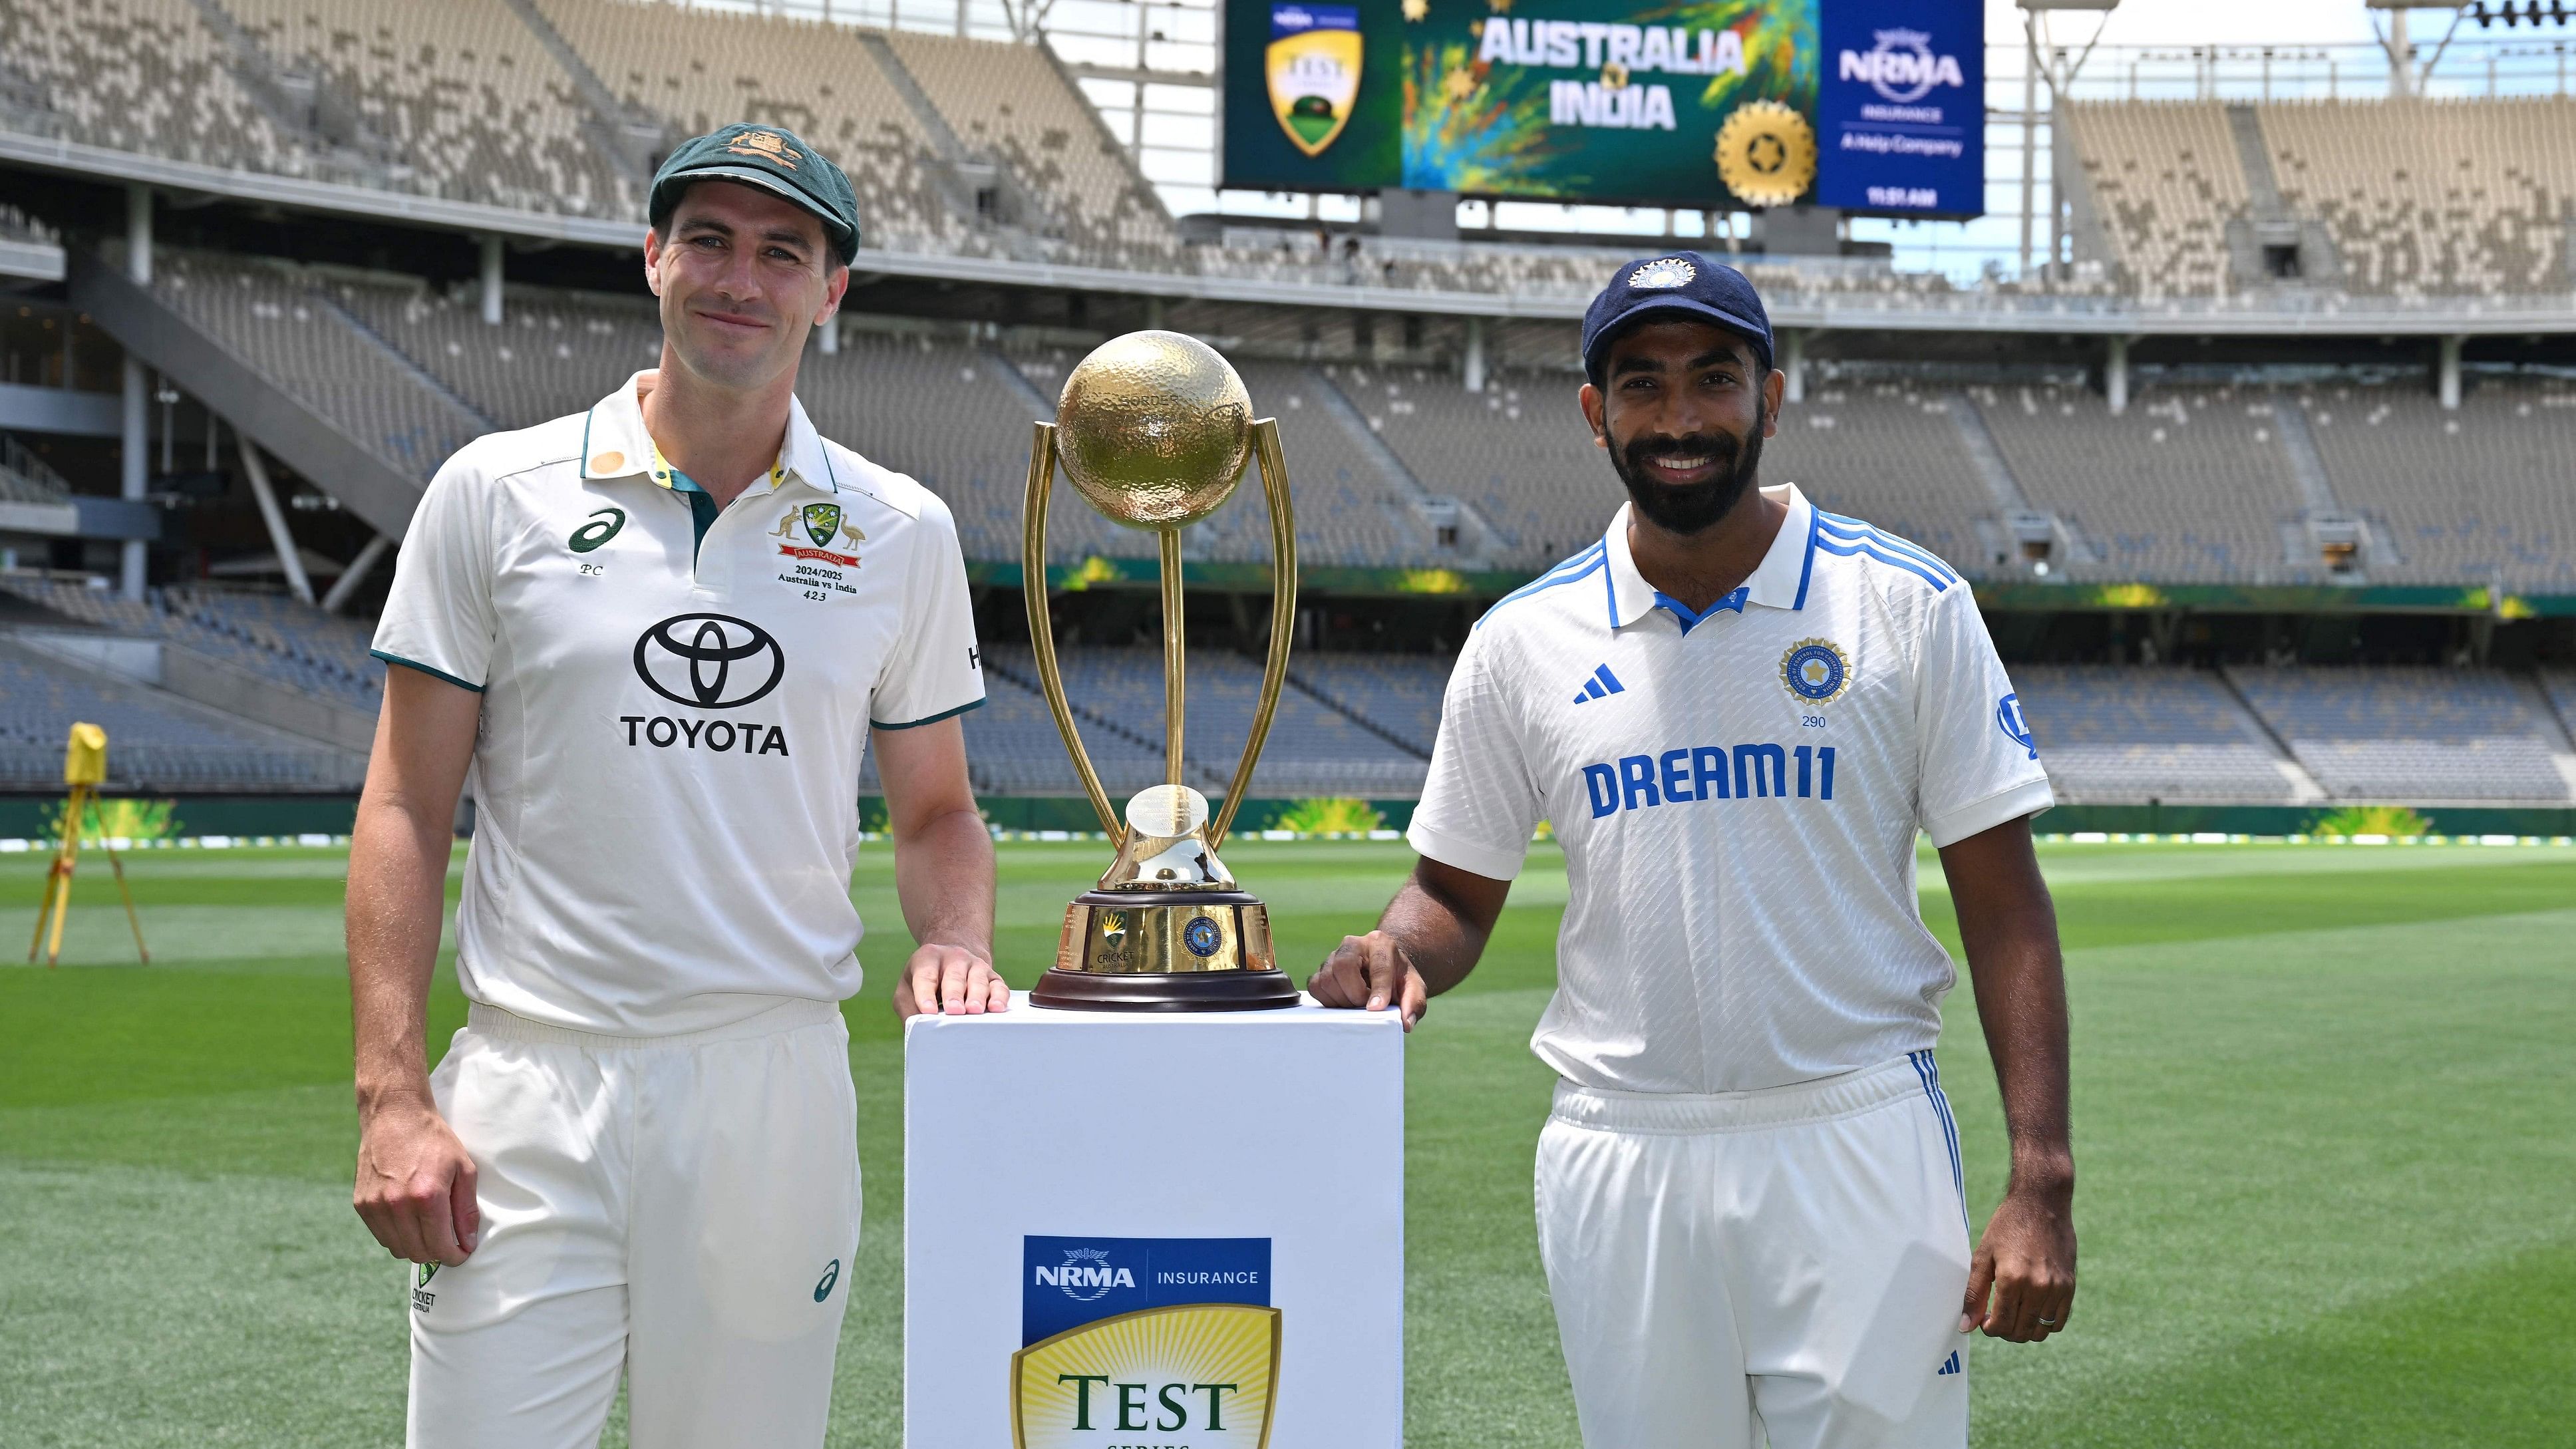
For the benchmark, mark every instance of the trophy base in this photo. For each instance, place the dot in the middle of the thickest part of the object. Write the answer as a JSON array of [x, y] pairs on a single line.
[[1203, 950], [1175, 991]]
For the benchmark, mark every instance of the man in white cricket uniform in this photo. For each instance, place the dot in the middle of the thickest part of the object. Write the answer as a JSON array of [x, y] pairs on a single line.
[[663, 633], [1737, 709]]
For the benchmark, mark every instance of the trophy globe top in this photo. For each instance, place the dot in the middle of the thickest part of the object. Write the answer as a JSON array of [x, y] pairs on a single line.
[[1154, 429]]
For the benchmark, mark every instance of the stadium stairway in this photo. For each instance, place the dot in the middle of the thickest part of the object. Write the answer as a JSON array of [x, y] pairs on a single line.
[[376, 465]]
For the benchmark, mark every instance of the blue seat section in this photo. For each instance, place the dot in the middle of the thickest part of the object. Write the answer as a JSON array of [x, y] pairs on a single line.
[[269, 634], [152, 744], [2416, 734], [2117, 734]]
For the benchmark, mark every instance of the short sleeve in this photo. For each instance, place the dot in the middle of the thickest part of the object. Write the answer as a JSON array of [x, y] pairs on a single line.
[[935, 669], [1479, 803], [1977, 762], [438, 617]]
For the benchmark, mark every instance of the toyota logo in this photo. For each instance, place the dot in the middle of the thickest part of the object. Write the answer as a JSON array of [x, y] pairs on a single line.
[[714, 658]]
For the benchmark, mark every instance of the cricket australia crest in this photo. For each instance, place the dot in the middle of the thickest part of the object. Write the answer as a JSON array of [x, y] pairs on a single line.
[[1314, 69]]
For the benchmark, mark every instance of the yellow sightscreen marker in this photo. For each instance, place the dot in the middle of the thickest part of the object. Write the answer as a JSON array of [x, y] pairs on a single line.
[[85, 756]]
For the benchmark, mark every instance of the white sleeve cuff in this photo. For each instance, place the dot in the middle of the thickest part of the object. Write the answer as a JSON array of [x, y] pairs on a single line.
[[2027, 798], [1473, 858]]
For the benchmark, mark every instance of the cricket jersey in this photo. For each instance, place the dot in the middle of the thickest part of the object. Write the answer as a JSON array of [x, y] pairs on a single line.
[[676, 700], [1737, 793]]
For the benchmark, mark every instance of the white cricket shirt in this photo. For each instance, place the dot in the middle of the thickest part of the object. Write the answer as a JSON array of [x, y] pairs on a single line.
[[1737, 795], [675, 704]]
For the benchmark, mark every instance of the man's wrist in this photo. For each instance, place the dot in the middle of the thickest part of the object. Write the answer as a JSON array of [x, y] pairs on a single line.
[[402, 1092], [2042, 1168]]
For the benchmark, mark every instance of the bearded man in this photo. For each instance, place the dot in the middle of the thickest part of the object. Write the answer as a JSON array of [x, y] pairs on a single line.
[[1737, 710]]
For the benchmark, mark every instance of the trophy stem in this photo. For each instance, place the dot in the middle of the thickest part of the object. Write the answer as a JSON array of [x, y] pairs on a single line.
[[1175, 673]]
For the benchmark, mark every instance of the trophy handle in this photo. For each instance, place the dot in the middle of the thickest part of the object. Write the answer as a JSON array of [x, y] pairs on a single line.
[[1033, 587], [1283, 615]]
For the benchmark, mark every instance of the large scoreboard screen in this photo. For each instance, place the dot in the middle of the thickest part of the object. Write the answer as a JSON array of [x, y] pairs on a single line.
[[1869, 105]]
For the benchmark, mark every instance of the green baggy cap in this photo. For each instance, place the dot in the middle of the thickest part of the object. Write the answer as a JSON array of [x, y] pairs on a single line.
[[771, 157]]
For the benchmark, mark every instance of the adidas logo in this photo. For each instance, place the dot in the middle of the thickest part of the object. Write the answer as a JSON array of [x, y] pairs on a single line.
[[1949, 1365], [1602, 682]]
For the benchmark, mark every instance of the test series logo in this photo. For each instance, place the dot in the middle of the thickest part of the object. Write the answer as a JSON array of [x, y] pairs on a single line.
[[1162, 1336]]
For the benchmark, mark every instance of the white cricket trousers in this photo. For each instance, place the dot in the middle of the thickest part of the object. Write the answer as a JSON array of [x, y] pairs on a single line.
[[680, 1208], [1786, 1262]]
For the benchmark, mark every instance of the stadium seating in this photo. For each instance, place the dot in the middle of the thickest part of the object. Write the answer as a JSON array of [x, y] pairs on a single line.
[[1520, 454], [699, 69], [1313, 749], [2190, 485], [2478, 496], [294, 644], [2434, 198], [280, 321], [1517, 453], [2120, 735], [1397, 694], [1012, 103], [2559, 686], [2164, 180], [1888, 452], [553, 354], [153, 743], [461, 93], [137, 75], [2410, 734]]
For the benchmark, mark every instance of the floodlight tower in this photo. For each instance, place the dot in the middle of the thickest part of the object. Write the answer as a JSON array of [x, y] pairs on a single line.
[[2032, 28]]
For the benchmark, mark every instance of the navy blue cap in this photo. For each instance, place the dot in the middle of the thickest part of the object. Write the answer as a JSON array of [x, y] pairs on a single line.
[[1676, 284]]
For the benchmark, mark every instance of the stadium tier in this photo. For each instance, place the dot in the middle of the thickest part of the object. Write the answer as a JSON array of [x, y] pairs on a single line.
[[2405, 199], [2121, 734], [292, 644], [2482, 493], [2188, 485], [155, 741], [285, 324], [2458, 734]]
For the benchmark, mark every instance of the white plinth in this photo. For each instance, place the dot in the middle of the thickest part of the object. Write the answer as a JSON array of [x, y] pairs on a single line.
[[1279, 1125]]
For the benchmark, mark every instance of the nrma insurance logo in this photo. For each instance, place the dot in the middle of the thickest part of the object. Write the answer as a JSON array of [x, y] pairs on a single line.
[[1901, 66], [1173, 1339]]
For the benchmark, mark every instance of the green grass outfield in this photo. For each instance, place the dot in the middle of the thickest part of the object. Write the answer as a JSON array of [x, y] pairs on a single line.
[[2325, 1106]]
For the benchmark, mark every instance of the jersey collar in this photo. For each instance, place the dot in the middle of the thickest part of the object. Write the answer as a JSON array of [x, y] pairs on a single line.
[[1780, 582], [615, 445]]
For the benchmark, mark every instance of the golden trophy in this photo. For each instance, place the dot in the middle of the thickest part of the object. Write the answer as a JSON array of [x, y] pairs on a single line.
[[1154, 429]]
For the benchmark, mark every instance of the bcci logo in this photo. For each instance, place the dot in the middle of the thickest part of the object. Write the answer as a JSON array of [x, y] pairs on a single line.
[[709, 661], [1662, 275], [1816, 671], [1901, 66], [1203, 936], [2008, 718], [1084, 1275]]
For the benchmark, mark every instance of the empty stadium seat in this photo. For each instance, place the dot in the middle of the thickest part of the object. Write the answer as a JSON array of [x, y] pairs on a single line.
[[153, 743], [2482, 495], [2123, 735], [2410, 734]]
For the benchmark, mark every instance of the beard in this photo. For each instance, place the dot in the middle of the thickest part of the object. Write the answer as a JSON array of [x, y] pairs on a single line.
[[1692, 508]]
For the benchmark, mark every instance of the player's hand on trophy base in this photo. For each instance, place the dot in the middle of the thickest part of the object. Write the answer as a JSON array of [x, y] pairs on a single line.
[[951, 980], [1371, 972]]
